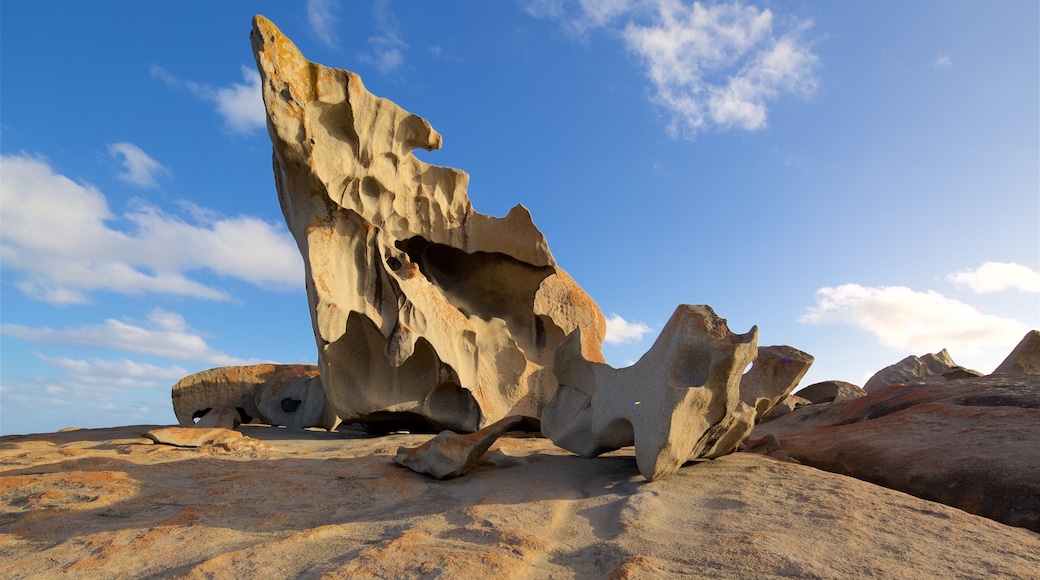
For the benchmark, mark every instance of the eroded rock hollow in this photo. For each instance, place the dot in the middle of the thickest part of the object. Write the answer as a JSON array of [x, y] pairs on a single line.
[[425, 312]]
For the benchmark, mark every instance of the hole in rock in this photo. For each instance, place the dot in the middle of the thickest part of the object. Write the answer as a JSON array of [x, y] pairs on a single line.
[[290, 405], [245, 417], [394, 263], [200, 414]]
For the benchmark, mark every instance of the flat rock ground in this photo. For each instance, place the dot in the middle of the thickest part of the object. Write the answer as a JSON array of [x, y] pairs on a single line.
[[107, 503]]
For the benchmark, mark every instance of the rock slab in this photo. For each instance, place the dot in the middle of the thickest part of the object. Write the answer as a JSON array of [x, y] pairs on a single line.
[[449, 454]]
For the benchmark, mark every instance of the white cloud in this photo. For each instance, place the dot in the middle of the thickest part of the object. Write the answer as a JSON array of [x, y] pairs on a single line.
[[115, 375], [165, 335], [241, 104], [998, 276], [64, 255], [714, 66], [621, 331], [385, 48], [321, 14], [942, 61], [139, 168], [912, 320]]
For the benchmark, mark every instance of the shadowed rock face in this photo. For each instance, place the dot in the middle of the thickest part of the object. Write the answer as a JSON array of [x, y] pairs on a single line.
[[424, 311]]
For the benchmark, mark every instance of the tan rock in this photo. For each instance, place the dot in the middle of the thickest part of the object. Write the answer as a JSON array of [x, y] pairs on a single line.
[[774, 374], [968, 443], [197, 394], [785, 406], [929, 367], [1025, 358], [450, 454], [293, 398], [831, 392], [190, 436], [422, 308], [224, 417], [681, 401], [96, 504]]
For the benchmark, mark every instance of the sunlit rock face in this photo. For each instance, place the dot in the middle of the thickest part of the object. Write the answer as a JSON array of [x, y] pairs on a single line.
[[687, 397], [424, 311]]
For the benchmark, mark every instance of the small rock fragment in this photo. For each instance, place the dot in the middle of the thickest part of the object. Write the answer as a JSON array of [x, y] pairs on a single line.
[[450, 454]]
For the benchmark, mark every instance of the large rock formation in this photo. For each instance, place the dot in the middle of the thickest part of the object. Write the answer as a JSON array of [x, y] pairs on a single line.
[[970, 443], [681, 401], [1025, 359], [424, 311], [937, 366], [285, 395]]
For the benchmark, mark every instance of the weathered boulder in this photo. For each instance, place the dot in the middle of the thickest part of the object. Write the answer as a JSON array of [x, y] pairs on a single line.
[[969, 443], [1025, 358], [831, 392], [450, 454], [680, 401], [423, 310], [293, 398], [774, 374], [930, 367], [256, 392]]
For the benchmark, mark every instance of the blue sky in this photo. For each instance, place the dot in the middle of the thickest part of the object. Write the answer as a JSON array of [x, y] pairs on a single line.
[[859, 179]]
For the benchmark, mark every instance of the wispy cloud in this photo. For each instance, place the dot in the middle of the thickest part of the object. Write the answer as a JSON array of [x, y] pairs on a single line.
[[712, 66], [621, 331], [998, 276], [915, 321], [942, 61], [165, 334], [154, 254], [241, 105], [323, 18], [386, 48], [139, 168]]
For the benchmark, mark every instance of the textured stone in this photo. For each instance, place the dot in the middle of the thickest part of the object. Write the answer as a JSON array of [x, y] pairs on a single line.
[[969, 443], [238, 386], [831, 392], [224, 417], [774, 374], [190, 436], [929, 367], [1025, 358], [450, 454], [294, 398], [785, 406], [423, 310], [681, 401]]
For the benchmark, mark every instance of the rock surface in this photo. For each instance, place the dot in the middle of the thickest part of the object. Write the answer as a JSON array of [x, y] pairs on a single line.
[[98, 503], [831, 392], [450, 454], [680, 401], [1025, 358], [930, 367], [254, 391], [224, 417], [423, 309], [190, 436], [969, 443], [774, 374]]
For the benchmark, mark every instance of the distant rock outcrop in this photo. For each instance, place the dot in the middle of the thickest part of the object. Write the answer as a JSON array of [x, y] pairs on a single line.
[[930, 367], [285, 395], [831, 392], [425, 312], [1025, 359]]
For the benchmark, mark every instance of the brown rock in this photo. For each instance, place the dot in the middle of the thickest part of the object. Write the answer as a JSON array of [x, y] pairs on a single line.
[[969, 443], [224, 417], [774, 374], [930, 367], [190, 436], [785, 406]]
